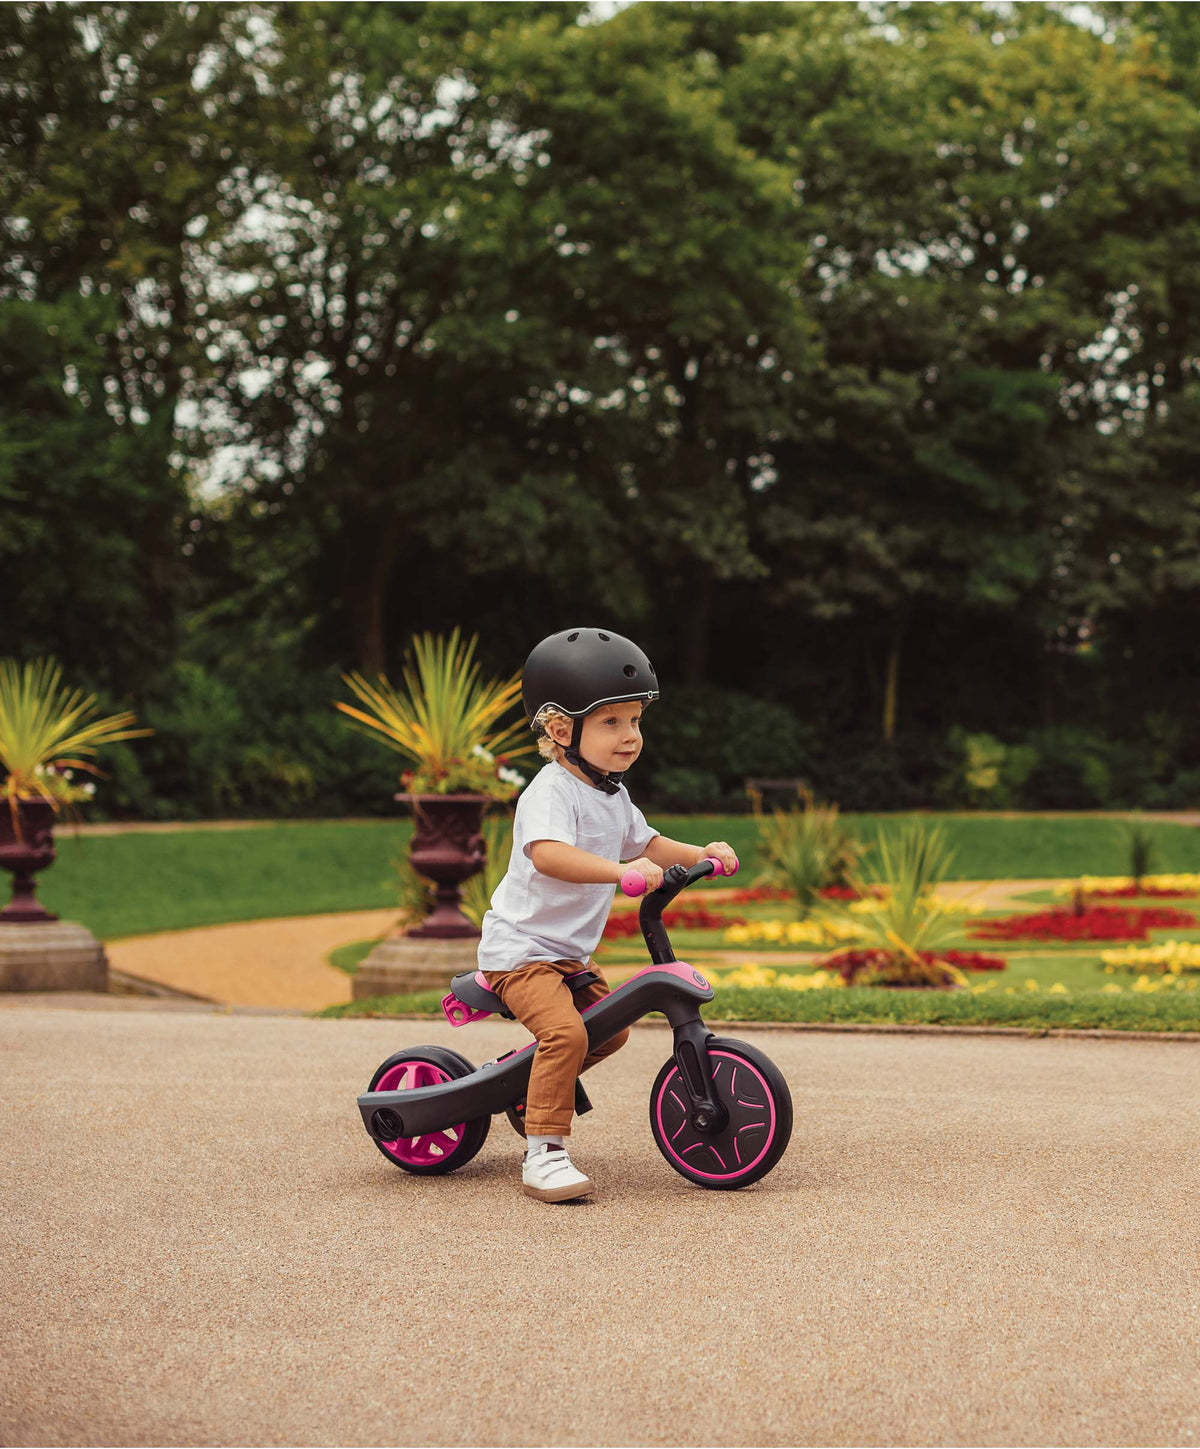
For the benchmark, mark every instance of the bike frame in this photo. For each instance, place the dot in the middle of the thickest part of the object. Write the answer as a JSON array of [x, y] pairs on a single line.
[[670, 986]]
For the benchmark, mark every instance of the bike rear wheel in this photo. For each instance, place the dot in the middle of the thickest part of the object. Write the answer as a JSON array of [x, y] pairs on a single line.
[[760, 1118], [435, 1152]]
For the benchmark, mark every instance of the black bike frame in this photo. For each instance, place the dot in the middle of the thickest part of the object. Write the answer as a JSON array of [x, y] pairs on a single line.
[[669, 986]]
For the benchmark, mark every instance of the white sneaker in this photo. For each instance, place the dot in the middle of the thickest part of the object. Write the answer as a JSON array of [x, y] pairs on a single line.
[[548, 1175]]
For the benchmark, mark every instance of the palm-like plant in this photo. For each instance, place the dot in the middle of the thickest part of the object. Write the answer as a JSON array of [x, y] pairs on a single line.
[[478, 891], [804, 850], [909, 923], [446, 724], [44, 728]]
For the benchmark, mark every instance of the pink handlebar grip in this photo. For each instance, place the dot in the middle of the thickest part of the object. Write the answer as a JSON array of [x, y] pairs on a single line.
[[719, 869], [633, 883]]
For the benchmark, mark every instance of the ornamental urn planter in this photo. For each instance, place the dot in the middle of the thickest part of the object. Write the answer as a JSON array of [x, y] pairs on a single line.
[[38, 952], [447, 848], [24, 853]]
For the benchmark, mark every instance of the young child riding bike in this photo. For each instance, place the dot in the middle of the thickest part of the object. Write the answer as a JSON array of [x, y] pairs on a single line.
[[584, 692]]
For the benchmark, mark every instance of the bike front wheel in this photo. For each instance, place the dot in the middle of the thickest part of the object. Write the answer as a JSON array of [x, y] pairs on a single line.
[[760, 1118]]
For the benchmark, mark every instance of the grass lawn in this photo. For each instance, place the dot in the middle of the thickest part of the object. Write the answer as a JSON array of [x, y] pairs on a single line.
[[124, 885], [128, 885]]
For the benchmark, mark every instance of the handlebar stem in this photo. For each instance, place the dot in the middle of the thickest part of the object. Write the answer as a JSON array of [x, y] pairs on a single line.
[[675, 879]]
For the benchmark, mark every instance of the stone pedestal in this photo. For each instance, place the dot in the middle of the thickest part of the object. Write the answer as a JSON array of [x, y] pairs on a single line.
[[409, 963], [51, 956]]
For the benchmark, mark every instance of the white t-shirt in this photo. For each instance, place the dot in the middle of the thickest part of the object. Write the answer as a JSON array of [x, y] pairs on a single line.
[[536, 917]]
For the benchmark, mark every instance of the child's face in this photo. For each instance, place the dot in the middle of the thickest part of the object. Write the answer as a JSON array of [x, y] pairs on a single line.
[[612, 736]]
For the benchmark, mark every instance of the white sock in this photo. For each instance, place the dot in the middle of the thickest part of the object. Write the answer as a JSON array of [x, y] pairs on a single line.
[[533, 1143]]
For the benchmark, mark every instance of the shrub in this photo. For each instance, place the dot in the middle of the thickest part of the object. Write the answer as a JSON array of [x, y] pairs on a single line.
[[721, 736]]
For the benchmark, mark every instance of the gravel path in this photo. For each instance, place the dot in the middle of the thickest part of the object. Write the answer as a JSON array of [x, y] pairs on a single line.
[[970, 1241], [280, 962]]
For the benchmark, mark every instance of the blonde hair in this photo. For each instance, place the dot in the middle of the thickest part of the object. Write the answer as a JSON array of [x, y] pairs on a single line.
[[549, 748]]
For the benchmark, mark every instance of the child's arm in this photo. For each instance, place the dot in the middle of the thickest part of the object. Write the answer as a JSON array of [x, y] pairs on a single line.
[[568, 862], [665, 852]]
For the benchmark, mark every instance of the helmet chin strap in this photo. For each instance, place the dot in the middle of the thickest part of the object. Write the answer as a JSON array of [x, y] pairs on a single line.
[[609, 783]]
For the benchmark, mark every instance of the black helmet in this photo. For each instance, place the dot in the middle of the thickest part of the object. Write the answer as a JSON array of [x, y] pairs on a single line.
[[577, 670]]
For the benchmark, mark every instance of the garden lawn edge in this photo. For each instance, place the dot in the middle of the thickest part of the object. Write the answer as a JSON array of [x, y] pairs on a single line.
[[890, 1028]]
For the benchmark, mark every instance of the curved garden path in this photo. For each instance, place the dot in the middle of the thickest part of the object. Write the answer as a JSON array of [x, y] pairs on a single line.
[[283, 962], [280, 962]]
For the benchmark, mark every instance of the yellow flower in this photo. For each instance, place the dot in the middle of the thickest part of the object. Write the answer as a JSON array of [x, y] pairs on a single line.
[[1059, 989], [1112, 986], [1030, 984]]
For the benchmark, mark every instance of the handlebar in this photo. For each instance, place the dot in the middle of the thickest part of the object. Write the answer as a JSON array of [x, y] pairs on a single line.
[[633, 882], [675, 879]]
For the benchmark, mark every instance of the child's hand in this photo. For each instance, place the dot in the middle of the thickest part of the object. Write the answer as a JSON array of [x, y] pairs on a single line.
[[721, 851], [650, 873]]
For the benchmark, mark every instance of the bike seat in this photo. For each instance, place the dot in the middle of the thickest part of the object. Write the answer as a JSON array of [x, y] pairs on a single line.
[[471, 988]]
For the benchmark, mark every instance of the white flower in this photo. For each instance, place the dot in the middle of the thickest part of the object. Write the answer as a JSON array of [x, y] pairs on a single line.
[[482, 753], [89, 789], [68, 774], [510, 777]]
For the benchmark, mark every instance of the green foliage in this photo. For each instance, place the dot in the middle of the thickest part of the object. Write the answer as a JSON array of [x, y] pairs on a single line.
[[448, 722], [989, 774], [323, 324], [803, 850], [44, 726], [721, 736], [907, 921], [1141, 851]]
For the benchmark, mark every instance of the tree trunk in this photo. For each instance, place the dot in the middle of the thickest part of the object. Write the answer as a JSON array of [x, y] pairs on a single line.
[[891, 685], [368, 566], [698, 623]]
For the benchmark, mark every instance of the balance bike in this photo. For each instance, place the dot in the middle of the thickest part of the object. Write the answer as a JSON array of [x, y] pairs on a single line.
[[720, 1110]]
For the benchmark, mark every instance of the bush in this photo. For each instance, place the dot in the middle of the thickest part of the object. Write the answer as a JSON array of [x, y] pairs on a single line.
[[1072, 771], [987, 774], [703, 742]]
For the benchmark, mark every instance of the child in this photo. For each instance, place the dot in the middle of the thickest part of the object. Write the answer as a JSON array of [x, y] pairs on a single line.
[[584, 692]]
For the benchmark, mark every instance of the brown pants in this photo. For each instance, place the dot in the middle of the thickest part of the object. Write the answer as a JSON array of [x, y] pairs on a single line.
[[540, 999]]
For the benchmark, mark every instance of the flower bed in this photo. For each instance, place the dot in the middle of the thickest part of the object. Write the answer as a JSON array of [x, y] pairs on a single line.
[[755, 894], [791, 933], [683, 918], [752, 975], [1132, 892], [1170, 957], [852, 963], [1099, 923], [1116, 887]]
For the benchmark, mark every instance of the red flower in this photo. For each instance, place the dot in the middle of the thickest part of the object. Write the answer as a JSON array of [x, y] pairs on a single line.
[[1099, 923], [855, 962], [685, 918]]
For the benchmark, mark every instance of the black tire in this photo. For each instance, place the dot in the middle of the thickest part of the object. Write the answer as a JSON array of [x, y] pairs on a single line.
[[764, 1091], [473, 1135]]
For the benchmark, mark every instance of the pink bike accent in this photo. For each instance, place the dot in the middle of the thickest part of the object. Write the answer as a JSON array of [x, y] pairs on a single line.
[[434, 1146], [719, 869], [458, 1013]]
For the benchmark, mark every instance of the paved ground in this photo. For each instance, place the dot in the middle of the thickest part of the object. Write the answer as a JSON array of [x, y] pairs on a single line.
[[970, 1241]]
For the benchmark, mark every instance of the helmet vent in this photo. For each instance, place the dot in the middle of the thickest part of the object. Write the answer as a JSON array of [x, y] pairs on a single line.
[[571, 638], [629, 671], [605, 637]]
